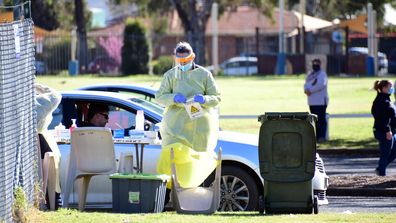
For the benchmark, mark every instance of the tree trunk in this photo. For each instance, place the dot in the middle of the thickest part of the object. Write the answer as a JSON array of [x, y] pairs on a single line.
[[194, 20], [82, 35]]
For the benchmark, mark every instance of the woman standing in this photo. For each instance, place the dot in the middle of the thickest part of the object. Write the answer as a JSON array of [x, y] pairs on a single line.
[[384, 129]]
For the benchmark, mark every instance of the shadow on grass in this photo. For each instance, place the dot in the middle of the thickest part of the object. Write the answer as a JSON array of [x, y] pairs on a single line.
[[370, 143]]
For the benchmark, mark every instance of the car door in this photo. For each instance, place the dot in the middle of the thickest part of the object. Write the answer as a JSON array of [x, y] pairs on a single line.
[[232, 68], [120, 117]]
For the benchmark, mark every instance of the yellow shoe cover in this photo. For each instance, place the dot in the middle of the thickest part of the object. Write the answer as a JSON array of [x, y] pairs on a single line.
[[192, 167]]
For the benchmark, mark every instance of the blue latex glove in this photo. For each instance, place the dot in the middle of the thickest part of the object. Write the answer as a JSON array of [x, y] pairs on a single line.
[[199, 98], [179, 98]]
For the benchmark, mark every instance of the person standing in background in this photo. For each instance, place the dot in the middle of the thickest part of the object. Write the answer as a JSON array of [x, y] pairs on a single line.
[[315, 88], [384, 128]]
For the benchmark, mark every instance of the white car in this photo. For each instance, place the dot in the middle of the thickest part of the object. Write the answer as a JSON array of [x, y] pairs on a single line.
[[240, 164], [382, 60], [238, 66]]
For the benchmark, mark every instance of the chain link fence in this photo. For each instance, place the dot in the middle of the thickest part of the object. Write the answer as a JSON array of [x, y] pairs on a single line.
[[17, 117]]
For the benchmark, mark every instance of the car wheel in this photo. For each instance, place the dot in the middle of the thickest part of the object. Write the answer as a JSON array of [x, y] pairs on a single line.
[[239, 191]]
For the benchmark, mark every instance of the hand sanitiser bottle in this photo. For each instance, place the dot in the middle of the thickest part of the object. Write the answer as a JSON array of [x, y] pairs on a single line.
[[139, 122], [73, 126]]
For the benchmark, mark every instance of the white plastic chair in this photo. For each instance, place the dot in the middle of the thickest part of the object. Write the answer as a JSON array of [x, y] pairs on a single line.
[[50, 177], [125, 164], [92, 153], [196, 200]]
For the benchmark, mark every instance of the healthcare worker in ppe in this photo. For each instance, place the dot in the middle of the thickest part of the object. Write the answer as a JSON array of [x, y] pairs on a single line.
[[190, 138]]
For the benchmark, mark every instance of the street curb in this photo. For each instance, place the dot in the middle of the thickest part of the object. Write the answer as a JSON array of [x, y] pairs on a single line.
[[361, 192]]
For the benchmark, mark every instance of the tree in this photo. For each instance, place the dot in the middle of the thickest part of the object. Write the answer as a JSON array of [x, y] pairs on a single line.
[[82, 33], [194, 15], [135, 51], [43, 13]]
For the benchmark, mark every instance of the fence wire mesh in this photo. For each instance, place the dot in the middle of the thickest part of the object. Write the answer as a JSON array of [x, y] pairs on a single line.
[[17, 115]]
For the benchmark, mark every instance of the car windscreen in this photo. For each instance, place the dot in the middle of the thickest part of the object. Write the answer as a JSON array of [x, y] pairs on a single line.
[[150, 105]]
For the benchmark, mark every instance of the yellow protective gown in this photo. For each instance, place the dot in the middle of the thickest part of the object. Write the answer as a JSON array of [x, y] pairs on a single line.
[[179, 131]]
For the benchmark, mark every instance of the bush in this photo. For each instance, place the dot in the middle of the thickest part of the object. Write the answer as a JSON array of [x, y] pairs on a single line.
[[135, 51], [20, 206], [163, 64]]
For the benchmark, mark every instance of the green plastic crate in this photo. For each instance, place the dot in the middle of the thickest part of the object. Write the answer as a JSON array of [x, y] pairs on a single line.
[[138, 193]]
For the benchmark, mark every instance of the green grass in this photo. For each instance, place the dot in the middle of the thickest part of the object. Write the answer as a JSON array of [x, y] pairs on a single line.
[[259, 94], [67, 215], [250, 96]]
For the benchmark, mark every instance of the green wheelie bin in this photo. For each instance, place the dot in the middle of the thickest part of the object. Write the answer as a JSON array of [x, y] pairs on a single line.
[[287, 152]]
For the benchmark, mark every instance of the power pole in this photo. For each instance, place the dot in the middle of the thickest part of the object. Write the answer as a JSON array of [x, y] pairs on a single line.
[[215, 41], [281, 54]]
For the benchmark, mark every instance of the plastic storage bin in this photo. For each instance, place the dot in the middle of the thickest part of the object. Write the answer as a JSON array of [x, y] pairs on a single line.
[[287, 152], [138, 193]]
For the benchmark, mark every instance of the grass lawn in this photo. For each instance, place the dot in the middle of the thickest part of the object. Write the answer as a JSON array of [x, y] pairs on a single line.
[[250, 96], [67, 215], [259, 94]]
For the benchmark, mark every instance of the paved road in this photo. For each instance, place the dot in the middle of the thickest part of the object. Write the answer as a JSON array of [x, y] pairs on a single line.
[[353, 164], [359, 204]]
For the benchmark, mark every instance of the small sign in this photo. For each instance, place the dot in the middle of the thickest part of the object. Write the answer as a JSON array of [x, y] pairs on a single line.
[[134, 197], [337, 36], [194, 109], [17, 41]]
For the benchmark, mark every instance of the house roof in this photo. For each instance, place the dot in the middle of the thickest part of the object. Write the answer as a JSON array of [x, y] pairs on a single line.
[[310, 23], [241, 22]]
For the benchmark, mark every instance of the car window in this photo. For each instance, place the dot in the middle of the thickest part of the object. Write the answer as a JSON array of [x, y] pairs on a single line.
[[119, 118], [135, 95], [150, 105], [233, 65]]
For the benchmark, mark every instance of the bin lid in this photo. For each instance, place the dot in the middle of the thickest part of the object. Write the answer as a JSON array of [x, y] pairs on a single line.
[[287, 115], [140, 176]]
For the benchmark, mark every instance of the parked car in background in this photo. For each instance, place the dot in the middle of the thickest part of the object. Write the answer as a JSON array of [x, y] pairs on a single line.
[[101, 65], [238, 66], [382, 60], [392, 62]]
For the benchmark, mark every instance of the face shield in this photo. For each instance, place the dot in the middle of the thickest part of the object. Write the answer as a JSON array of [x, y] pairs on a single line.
[[183, 63]]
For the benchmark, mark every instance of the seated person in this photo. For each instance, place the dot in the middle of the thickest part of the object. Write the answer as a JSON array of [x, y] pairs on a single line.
[[98, 116]]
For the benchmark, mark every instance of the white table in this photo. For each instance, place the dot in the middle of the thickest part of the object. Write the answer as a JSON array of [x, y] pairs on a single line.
[[138, 142]]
